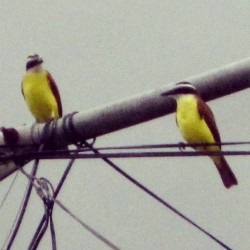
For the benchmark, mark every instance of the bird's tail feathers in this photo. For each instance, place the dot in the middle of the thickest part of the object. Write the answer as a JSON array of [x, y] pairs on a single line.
[[226, 173]]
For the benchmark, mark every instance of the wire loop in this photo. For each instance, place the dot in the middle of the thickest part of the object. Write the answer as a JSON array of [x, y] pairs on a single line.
[[69, 129]]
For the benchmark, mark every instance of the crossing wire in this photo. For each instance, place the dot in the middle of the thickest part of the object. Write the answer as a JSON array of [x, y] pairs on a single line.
[[59, 155], [165, 145], [156, 197], [97, 154], [180, 145], [87, 227], [42, 227], [9, 189], [15, 220], [80, 153], [44, 223], [23, 210]]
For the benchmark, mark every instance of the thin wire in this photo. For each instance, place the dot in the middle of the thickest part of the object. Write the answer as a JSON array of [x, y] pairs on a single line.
[[43, 185], [56, 156], [46, 185], [15, 220], [87, 227], [23, 210], [25, 202], [151, 154], [52, 231], [181, 145], [170, 145], [41, 229], [65, 174], [150, 146], [41, 232], [64, 154], [49, 220], [9, 189], [160, 200], [34, 244]]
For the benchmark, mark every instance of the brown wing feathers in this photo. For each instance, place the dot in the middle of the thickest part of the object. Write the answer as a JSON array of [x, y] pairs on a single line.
[[56, 93], [206, 113]]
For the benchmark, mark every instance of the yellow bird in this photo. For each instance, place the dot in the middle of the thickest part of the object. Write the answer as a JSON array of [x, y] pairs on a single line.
[[40, 91], [197, 125]]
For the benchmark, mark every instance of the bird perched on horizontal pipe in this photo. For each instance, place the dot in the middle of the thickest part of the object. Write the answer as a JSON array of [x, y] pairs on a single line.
[[197, 125], [40, 91]]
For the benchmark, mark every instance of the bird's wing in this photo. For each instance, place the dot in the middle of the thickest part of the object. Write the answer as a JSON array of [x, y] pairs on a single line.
[[55, 91], [207, 114]]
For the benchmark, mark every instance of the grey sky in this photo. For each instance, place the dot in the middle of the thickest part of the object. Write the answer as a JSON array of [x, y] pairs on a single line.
[[100, 52]]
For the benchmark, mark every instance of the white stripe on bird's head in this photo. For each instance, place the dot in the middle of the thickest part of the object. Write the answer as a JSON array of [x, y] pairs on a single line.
[[181, 88], [33, 61]]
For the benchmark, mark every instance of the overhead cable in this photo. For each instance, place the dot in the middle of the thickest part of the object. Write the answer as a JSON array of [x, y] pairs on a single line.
[[157, 198]]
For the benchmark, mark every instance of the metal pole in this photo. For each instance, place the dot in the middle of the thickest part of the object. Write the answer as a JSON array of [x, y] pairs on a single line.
[[151, 104]]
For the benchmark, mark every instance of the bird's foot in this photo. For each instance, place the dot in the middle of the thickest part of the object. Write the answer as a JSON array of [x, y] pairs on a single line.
[[182, 146]]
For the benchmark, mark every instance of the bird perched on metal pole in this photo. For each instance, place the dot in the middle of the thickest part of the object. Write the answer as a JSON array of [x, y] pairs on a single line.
[[40, 91], [197, 125]]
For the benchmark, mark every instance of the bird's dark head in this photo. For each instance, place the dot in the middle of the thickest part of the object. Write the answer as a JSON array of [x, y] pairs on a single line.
[[181, 88], [33, 60]]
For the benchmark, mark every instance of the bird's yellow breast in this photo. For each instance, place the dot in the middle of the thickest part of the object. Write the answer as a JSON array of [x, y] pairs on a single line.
[[193, 128], [39, 96]]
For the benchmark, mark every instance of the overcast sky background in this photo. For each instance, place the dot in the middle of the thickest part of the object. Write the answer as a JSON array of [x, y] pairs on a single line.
[[100, 52]]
